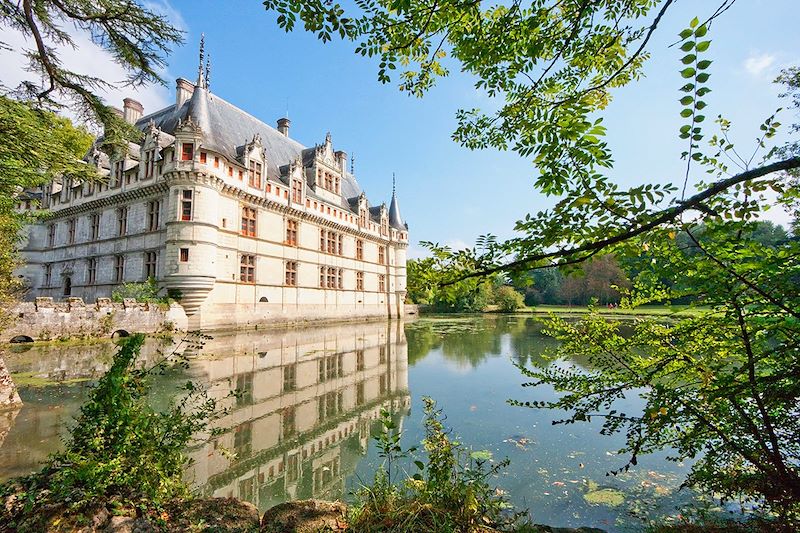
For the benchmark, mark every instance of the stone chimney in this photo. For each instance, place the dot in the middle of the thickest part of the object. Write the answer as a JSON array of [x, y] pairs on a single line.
[[341, 159], [283, 126], [132, 110], [183, 91]]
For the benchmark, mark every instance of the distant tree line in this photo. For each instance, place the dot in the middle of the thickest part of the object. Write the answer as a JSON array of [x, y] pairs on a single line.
[[602, 279]]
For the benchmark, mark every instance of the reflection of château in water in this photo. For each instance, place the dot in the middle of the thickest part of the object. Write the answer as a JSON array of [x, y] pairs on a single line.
[[302, 422]]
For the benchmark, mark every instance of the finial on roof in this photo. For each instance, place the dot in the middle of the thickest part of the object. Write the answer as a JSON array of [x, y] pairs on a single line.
[[208, 71], [393, 184], [353, 164], [200, 78]]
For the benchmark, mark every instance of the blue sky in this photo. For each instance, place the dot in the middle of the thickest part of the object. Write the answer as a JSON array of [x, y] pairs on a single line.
[[449, 194]]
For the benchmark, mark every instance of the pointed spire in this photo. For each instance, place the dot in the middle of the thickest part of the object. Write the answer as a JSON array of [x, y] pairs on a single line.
[[201, 81], [353, 164], [395, 219]]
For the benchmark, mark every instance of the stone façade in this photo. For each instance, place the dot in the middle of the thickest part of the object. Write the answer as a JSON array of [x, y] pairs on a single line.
[[239, 222]]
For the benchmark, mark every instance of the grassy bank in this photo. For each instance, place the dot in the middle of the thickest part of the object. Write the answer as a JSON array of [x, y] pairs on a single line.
[[681, 311]]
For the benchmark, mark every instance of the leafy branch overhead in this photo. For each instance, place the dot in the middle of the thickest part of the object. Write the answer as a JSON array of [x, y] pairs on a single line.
[[554, 65], [136, 37]]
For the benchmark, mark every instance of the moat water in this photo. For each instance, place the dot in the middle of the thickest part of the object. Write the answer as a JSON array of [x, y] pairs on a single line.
[[302, 426]]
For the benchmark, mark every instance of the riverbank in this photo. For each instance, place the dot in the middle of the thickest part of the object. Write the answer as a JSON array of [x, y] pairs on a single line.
[[565, 311]]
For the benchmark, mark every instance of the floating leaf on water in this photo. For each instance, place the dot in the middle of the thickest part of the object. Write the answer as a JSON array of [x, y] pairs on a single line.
[[481, 455], [607, 497]]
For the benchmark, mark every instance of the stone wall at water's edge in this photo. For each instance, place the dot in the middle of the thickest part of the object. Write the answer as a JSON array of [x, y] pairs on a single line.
[[44, 319]]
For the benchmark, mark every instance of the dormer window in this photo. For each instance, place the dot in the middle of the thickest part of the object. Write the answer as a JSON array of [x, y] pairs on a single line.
[[254, 179], [119, 170], [149, 163], [187, 152], [297, 191]]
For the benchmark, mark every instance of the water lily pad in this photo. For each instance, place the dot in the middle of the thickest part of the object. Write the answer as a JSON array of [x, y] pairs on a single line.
[[481, 455], [608, 497]]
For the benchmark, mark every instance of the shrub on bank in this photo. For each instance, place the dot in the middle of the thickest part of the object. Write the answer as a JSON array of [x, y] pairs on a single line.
[[121, 454], [450, 492]]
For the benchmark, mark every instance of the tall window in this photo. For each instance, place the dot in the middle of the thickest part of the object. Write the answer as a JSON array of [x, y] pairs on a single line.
[[381, 255], [336, 185], [150, 261], [359, 249], [297, 191], [187, 152], [51, 236], [186, 205], [247, 268], [216, 161], [248, 221], [48, 275], [119, 268], [149, 163], [322, 240], [291, 273], [359, 281], [203, 157], [329, 181], [362, 217], [94, 225], [153, 210], [91, 271], [184, 257], [291, 232], [71, 231], [381, 283], [122, 221], [330, 277], [254, 179]]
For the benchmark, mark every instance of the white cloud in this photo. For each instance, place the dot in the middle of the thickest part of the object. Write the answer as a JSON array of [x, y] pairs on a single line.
[[90, 59], [417, 252], [456, 244], [757, 65]]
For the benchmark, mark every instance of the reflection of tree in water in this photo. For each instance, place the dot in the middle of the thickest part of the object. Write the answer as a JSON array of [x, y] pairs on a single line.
[[529, 345], [472, 340], [465, 340]]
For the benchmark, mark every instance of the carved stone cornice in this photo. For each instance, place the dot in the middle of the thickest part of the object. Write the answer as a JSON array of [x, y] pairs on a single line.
[[113, 200]]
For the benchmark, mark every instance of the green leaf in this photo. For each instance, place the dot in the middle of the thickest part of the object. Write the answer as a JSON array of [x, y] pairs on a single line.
[[703, 77], [695, 21], [686, 113], [685, 33], [701, 31], [704, 64], [688, 45], [702, 46], [688, 58], [686, 100], [687, 72]]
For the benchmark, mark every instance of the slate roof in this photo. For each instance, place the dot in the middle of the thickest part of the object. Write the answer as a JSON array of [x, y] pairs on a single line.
[[226, 129]]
